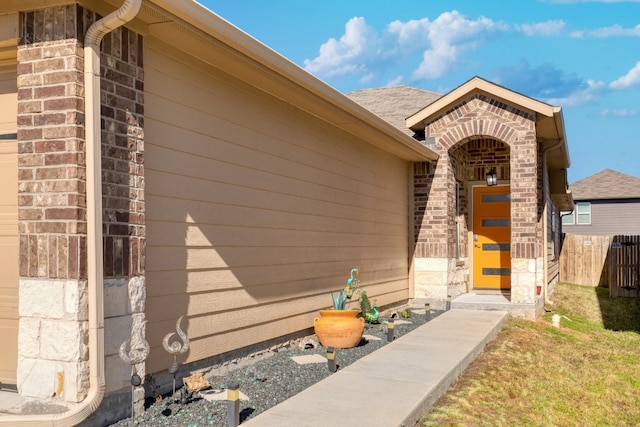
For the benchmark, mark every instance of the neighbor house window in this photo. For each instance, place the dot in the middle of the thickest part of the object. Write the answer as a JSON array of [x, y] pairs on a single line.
[[583, 211], [567, 217]]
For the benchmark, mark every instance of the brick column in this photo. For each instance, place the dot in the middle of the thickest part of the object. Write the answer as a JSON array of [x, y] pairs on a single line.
[[52, 349], [53, 353], [434, 222], [122, 96], [526, 261]]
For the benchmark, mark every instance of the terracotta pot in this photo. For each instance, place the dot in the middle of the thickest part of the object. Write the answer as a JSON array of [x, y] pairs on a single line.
[[339, 328]]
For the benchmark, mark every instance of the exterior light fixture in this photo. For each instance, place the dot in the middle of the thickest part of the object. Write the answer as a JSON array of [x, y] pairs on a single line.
[[492, 178]]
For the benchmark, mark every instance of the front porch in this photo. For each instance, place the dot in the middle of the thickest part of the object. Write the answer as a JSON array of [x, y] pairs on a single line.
[[491, 300]]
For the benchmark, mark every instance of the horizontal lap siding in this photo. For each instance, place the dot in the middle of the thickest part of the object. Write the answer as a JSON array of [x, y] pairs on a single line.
[[255, 210], [9, 247], [610, 217]]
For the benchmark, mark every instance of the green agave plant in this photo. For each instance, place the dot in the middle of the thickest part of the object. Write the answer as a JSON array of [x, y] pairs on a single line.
[[340, 299]]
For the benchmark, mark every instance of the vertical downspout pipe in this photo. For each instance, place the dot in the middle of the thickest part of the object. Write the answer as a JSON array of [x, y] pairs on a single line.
[[93, 161]]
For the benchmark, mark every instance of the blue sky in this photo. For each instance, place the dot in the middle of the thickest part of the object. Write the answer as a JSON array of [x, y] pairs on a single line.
[[583, 55]]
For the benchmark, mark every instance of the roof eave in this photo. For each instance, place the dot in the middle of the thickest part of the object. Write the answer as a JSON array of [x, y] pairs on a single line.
[[559, 189], [281, 78], [475, 85]]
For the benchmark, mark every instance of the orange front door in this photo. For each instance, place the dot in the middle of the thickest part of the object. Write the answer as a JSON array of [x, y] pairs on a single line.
[[491, 237]]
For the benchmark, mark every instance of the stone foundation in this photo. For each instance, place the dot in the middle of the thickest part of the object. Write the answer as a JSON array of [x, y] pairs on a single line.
[[52, 343], [526, 274], [437, 278], [124, 303]]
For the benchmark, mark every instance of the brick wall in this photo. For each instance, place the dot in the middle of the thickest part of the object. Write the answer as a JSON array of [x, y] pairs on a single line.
[[123, 153]]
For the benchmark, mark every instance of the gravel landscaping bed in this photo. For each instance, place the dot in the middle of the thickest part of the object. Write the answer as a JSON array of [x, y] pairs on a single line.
[[266, 383]]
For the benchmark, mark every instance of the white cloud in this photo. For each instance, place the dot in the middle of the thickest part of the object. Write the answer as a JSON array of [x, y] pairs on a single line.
[[632, 78], [449, 36], [407, 37], [611, 31], [395, 82], [580, 96], [360, 51], [619, 113], [548, 28], [348, 55]]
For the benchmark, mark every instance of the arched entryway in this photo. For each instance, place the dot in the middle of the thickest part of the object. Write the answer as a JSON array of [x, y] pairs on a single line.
[[483, 213], [472, 236]]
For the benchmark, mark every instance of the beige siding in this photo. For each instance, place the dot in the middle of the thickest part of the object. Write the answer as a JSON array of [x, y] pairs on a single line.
[[8, 100], [255, 210], [8, 229]]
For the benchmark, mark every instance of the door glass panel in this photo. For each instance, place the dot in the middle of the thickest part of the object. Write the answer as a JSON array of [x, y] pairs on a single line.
[[496, 222], [496, 271], [496, 247], [494, 198]]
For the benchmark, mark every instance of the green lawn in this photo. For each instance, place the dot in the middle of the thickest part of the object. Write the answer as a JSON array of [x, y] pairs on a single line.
[[586, 373]]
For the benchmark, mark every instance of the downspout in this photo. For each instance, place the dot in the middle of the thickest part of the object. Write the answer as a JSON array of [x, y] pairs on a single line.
[[545, 176], [93, 161]]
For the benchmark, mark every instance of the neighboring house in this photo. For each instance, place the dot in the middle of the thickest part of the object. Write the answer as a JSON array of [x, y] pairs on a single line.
[[159, 163], [607, 204]]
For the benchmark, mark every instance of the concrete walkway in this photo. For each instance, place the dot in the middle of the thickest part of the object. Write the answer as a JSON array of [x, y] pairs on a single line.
[[395, 385]]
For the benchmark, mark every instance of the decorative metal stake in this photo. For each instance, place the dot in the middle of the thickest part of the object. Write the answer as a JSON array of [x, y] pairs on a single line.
[[175, 348], [427, 311], [331, 359], [137, 354], [390, 330], [233, 404]]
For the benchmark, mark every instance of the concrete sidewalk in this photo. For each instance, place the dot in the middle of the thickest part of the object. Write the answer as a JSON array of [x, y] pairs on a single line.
[[395, 385]]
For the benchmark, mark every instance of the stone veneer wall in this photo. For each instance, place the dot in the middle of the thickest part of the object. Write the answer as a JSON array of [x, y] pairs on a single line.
[[507, 128], [53, 352]]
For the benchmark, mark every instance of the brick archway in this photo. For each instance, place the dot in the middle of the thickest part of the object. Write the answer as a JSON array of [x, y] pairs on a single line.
[[441, 269]]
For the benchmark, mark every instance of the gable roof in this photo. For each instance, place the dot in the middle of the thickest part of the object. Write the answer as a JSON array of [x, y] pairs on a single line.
[[549, 119], [394, 103], [606, 184]]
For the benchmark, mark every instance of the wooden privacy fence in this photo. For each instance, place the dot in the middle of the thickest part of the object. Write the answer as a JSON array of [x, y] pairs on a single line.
[[609, 261]]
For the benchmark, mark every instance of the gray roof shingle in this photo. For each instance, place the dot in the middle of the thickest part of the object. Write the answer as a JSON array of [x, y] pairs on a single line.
[[394, 103], [606, 184]]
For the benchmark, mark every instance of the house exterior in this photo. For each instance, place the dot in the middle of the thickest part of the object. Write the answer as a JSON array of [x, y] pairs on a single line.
[[161, 163], [606, 204]]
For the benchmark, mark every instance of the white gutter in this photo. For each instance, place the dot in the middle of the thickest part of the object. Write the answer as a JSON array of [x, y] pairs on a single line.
[[93, 159]]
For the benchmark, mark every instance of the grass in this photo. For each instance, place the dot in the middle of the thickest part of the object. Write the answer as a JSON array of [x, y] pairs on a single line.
[[586, 373]]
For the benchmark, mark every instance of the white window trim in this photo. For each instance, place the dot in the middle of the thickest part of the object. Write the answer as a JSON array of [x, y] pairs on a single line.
[[578, 213]]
